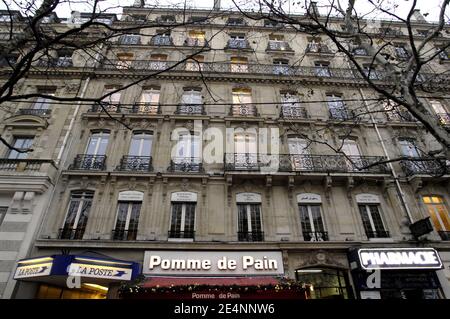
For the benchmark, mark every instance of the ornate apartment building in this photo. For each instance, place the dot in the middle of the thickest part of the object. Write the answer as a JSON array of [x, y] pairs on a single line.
[[212, 156]]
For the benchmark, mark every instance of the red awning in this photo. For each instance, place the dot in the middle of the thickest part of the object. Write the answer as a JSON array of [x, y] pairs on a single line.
[[211, 281]]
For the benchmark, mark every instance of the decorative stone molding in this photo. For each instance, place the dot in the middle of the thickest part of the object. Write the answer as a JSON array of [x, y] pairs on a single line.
[[268, 188], [291, 184], [164, 188], [416, 184], [327, 184], [229, 191]]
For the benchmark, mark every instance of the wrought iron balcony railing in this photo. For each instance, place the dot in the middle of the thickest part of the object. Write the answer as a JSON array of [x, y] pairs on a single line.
[[189, 234], [190, 109], [305, 163], [135, 163], [342, 114], [444, 118], [445, 235], [89, 162], [25, 165], [36, 112], [318, 48], [138, 108], [195, 42], [161, 40], [62, 62], [145, 108], [251, 236], [122, 234], [400, 116], [243, 110], [377, 234], [315, 236], [297, 112], [424, 166], [238, 44], [278, 46], [71, 233], [185, 164]]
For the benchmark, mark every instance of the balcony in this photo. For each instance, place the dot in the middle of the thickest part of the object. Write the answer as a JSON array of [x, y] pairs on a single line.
[[160, 40], [445, 235], [24, 165], [315, 236], [377, 234], [444, 118], [138, 108], [35, 112], [145, 108], [122, 234], [342, 114], [318, 48], [424, 166], [186, 164], [195, 42], [71, 233], [305, 163], [293, 112], [187, 234], [251, 236], [238, 44], [278, 46], [190, 109], [243, 110], [62, 62], [89, 162], [135, 163], [400, 116]]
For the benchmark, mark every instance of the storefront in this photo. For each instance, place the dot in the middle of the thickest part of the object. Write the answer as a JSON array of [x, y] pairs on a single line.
[[214, 275], [75, 276], [396, 273]]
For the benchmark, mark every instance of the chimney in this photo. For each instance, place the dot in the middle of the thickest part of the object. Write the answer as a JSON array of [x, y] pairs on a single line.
[[216, 5], [312, 9], [417, 16]]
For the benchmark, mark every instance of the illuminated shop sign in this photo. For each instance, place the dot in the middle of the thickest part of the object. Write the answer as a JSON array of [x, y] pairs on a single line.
[[399, 258], [95, 271], [35, 270], [213, 263]]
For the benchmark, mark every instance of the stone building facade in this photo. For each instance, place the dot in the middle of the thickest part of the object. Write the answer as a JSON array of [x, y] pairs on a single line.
[[214, 157]]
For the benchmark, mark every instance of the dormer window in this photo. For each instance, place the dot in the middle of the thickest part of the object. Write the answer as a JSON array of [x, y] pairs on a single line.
[[130, 39], [167, 19], [271, 24], [401, 52], [198, 20], [236, 21]]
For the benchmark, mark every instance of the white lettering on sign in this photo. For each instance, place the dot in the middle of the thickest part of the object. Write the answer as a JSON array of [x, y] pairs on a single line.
[[309, 198], [33, 271], [213, 263], [131, 196], [94, 271], [367, 198], [184, 197], [398, 258], [248, 198]]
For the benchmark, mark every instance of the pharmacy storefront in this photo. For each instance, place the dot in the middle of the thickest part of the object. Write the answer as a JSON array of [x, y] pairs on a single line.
[[213, 275], [396, 273], [74, 276]]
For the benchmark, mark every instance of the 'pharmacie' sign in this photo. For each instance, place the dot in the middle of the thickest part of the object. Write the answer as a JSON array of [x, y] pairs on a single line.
[[399, 258], [95, 271], [213, 263]]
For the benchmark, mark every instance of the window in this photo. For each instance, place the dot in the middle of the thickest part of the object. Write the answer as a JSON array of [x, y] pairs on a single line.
[[237, 41], [141, 144], [188, 148], [337, 107], [316, 46], [371, 72], [312, 223], [195, 64], [401, 52], [372, 222], [276, 42], [236, 21], [351, 149], [162, 38], [360, 51], [198, 19], [408, 148], [42, 103], [196, 38], [249, 221], [239, 64], [245, 151], [299, 153], [281, 66], [439, 215], [441, 112], [290, 106], [149, 101], [130, 39], [444, 54], [127, 216], [77, 215], [97, 143], [3, 211], [8, 60], [158, 62], [191, 102], [324, 283], [397, 112], [111, 101], [322, 69], [124, 60], [64, 58], [182, 221], [167, 19], [270, 24], [242, 99], [22, 143]]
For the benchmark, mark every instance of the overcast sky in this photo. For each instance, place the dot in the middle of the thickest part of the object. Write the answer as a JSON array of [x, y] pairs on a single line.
[[400, 7]]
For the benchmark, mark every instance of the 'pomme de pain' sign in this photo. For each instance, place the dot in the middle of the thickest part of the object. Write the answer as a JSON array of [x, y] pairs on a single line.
[[213, 263]]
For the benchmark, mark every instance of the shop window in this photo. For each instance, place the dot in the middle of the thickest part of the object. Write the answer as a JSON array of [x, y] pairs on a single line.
[[21, 143], [249, 217], [372, 221], [3, 211], [182, 219], [439, 215], [324, 283], [77, 215], [128, 211], [87, 291]]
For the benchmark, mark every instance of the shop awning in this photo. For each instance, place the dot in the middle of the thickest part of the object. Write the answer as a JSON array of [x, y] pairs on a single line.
[[211, 281]]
